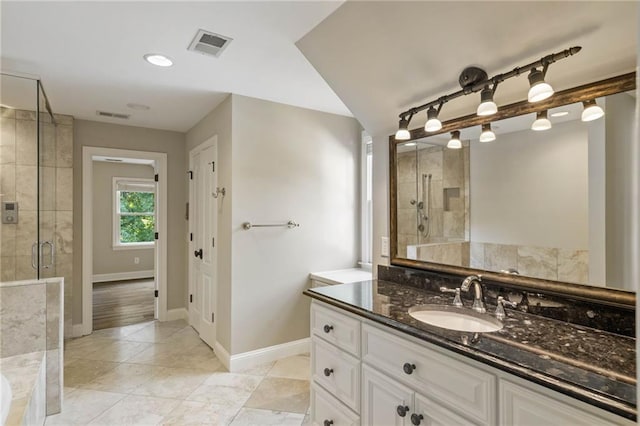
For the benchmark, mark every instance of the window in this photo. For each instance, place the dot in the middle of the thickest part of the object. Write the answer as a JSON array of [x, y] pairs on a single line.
[[134, 219], [366, 205]]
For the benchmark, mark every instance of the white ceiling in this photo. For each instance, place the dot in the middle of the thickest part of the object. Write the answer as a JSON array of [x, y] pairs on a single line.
[[383, 58], [89, 56]]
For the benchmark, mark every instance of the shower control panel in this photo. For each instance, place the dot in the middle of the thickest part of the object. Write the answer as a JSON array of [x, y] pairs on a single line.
[[9, 212]]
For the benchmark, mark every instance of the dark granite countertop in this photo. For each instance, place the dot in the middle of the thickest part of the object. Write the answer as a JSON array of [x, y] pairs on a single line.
[[588, 364]]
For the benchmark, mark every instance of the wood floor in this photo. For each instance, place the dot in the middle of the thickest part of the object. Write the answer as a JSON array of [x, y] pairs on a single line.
[[120, 303]]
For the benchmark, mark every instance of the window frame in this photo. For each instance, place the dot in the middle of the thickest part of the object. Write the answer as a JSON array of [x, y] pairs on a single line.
[[116, 214], [366, 203]]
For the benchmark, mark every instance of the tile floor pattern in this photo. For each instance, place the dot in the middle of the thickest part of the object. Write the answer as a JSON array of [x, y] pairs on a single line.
[[162, 374]]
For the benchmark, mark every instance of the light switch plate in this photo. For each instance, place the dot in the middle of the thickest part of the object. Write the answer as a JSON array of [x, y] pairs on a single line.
[[384, 246]]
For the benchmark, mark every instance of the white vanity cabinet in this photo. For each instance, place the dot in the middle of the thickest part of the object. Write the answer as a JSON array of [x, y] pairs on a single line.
[[380, 376]]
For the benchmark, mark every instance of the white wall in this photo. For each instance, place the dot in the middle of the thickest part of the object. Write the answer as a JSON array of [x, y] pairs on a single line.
[[620, 128], [106, 260], [531, 188], [289, 163], [380, 198]]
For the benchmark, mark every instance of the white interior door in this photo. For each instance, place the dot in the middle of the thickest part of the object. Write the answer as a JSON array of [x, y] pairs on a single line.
[[203, 219]]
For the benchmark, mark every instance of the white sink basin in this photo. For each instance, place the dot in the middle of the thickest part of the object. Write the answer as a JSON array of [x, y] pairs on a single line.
[[453, 318]]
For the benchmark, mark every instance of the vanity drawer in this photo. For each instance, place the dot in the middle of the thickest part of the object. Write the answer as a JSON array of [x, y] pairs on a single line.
[[334, 327], [464, 388], [337, 371], [326, 409]]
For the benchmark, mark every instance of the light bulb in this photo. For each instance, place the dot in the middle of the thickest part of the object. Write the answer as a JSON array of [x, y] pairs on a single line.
[[539, 90], [403, 130], [454, 142], [487, 134], [433, 124], [487, 106], [591, 111], [542, 122], [158, 60]]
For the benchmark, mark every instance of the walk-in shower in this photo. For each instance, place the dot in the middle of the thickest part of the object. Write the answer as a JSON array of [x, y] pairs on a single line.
[[28, 161]]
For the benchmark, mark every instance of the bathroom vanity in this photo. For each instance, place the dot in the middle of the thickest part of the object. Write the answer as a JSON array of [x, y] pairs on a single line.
[[374, 364]]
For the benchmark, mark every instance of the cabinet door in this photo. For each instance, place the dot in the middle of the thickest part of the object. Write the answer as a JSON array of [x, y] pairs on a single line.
[[430, 413], [525, 407], [326, 410], [386, 402]]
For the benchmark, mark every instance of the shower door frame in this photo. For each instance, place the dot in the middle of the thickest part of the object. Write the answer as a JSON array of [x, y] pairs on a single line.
[[160, 259]]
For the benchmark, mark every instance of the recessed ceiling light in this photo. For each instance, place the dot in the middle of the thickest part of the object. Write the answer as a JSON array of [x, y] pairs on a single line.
[[139, 107], [158, 59], [560, 114]]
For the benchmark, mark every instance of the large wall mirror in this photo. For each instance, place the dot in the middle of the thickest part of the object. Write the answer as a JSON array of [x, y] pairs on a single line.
[[537, 208]]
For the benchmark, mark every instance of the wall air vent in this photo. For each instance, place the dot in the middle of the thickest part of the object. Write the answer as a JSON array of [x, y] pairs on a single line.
[[208, 43], [113, 115]]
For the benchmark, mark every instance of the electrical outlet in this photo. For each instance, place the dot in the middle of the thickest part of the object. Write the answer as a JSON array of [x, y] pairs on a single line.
[[384, 246], [136, 260]]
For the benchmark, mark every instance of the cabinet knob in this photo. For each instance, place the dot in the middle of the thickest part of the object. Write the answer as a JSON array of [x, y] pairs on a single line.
[[416, 418], [328, 422], [408, 367], [402, 410], [327, 328], [328, 371]]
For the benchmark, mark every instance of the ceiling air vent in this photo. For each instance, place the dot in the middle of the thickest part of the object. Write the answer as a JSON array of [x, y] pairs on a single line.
[[208, 43], [113, 115]]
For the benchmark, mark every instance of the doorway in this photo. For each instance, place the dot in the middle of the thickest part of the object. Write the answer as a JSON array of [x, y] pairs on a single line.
[[142, 190], [203, 219]]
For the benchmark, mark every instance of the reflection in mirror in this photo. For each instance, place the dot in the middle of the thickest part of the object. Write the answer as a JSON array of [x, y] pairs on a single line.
[[543, 204]]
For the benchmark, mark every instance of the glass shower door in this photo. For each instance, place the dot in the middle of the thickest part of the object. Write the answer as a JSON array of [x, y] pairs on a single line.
[[46, 250]]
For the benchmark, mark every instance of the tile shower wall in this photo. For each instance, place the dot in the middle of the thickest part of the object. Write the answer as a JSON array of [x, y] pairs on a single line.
[[18, 159], [449, 218], [540, 262]]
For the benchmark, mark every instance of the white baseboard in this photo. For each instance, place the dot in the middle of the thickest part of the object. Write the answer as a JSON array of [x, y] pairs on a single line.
[[121, 276], [222, 355], [272, 353], [177, 314]]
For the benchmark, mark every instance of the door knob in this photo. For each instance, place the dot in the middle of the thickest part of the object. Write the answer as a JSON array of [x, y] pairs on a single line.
[[402, 410], [198, 253], [416, 419]]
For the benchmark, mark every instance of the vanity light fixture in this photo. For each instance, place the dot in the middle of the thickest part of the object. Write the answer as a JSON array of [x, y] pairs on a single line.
[[403, 132], [539, 90], [487, 134], [158, 60], [591, 110], [474, 79], [433, 124], [487, 106], [454, 142], [542, 121]]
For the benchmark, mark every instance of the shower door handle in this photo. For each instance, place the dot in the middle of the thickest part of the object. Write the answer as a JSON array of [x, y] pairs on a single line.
[[51, 254], [34, 256]]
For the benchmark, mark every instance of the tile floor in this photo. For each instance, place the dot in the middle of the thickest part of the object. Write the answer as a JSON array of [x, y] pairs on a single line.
[[162, 373]]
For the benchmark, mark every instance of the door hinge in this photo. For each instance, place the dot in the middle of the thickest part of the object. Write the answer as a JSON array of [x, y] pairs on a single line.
[[186, 213], [191, 236], [190, 175], [213, 242], [191, 298], [212, 316], [213, 166], [155, 177], [156, 235], [155, 293]]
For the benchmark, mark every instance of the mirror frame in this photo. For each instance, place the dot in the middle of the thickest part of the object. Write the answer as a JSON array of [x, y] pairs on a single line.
[[609, 296]]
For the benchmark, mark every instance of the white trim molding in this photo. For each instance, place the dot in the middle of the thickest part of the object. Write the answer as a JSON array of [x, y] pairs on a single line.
[[159, 162], [122, 276], [260, 356], [177, 314], [222, 355]]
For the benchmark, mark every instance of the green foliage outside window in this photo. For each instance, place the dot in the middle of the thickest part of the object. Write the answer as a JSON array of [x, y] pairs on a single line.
[[137, 220]]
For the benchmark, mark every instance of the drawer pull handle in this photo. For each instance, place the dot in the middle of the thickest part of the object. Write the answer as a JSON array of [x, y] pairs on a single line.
[[416, 418], [328, 371], [327, 328], [328, 422], [402, 410], [408, 368]]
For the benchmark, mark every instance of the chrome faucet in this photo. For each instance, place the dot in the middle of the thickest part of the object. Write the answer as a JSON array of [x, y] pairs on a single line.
[[478, 302]]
